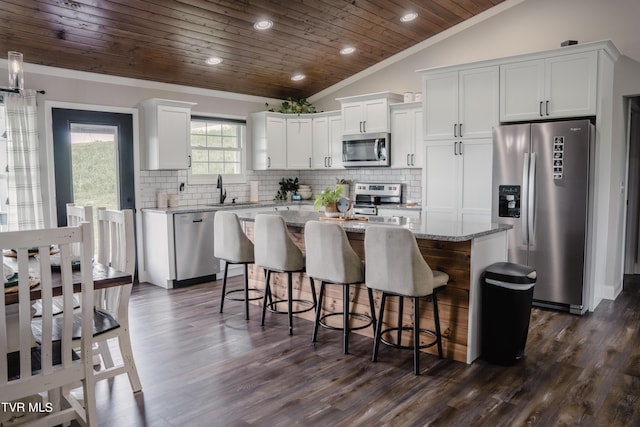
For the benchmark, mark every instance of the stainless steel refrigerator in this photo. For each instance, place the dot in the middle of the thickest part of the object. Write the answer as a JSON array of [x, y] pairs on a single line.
[[541, 186]]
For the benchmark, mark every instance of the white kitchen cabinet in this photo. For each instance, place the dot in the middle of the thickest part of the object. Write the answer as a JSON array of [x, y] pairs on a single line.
[[406, 135], [367, 113], [167, 126], [461, 104], [327, 141], [555, 87], [299, 142], [269, 140], [457, 180]]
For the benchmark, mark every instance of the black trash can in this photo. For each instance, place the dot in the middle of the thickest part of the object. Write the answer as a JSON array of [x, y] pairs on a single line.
[[507, 295]]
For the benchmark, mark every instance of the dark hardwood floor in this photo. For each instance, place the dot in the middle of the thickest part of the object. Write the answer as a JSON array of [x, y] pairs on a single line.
[[202, 368]]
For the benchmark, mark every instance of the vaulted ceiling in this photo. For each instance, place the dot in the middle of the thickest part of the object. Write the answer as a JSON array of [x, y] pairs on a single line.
[[169, 41]]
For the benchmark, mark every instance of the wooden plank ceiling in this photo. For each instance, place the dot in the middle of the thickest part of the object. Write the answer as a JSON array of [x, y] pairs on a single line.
[[169, 41]]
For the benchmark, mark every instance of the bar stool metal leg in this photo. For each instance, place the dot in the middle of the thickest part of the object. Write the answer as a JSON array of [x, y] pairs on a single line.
[[246, 291], [267, 295], [376, 338], [290, 301], [416, 336], [373, 310], [345, 319], [436, 318], [318, 311], [224, 285], [400, 312]]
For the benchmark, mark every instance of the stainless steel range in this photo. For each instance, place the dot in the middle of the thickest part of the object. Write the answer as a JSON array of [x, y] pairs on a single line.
[[370, 195]]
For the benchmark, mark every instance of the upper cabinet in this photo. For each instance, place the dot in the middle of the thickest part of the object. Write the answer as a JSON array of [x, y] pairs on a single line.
[[327, 141], [406, 135], [167, 126], [299, 142], [461, 104], [367, 113], [269, 141], [555, 87]]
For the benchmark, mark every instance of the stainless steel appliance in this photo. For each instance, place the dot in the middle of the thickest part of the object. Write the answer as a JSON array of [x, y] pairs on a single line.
[[541, 186], [370, 195], [366, 149], [193, 239]]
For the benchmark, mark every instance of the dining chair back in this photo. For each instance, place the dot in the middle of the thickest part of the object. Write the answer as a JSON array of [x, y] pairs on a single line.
[[77, 214], [51, 369], [116, 248]]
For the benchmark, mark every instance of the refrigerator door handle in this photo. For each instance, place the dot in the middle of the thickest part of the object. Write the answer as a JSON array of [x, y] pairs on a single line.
[[531, 194], [525, 198]]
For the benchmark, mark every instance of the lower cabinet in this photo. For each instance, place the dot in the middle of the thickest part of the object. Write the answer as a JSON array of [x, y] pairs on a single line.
[[457, 180]]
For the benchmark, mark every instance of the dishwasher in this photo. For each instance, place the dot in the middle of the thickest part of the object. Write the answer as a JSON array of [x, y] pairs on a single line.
[[193, 239]]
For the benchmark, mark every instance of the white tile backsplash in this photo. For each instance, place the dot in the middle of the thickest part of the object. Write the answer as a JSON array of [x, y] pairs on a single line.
[[153, 181]]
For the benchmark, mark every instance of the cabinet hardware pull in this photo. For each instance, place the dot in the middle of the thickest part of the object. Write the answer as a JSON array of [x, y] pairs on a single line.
[[361, 131], [189, 160], [460, 130], [541, 114], [364, 126], [413, 160], [268, 162], [455, 130], [455, 148], [197, 220], [460, 148], [547, 108], [408, 160]]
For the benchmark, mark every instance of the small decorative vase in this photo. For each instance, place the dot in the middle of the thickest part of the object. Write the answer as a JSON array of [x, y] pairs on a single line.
[[331, 210]]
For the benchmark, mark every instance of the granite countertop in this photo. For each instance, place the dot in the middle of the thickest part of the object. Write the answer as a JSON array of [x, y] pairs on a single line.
[[441, 230], [225, 206]]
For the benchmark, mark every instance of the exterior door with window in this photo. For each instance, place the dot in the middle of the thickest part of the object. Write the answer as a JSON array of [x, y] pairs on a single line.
[[93, 159]]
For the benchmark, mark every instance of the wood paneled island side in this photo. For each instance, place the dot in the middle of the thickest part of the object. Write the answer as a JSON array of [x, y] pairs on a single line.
[[462, 250]]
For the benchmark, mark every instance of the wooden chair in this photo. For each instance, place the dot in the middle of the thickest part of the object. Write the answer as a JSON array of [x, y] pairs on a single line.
[[52, 368], [116, 248], [111, 306]]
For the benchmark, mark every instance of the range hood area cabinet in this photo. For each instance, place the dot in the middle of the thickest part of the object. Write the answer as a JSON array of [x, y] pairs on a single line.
[[406, 135], [561, 86], [367, 113], [167, 129], [461, 105]]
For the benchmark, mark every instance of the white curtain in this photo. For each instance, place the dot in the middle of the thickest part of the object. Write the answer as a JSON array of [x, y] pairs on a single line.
[[25, 198]]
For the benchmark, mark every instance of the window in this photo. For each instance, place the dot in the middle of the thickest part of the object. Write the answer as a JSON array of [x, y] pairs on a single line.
[[217, 148]]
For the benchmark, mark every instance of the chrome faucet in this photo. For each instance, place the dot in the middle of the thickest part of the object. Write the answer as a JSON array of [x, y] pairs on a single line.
[[223, 195]]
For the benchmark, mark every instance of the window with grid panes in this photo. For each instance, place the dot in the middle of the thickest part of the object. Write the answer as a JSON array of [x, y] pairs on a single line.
[[217, 148]]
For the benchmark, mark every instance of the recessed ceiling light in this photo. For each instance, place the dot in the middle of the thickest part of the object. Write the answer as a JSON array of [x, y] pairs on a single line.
[[347, 50], [297, 77], [409, 17], [263, 24], [214, 60]]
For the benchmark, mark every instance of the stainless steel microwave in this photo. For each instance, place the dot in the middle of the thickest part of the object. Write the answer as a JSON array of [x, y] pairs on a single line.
[[366, 149]]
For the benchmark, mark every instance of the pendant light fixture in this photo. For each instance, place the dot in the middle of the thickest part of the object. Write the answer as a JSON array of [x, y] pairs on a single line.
[[16, 71]]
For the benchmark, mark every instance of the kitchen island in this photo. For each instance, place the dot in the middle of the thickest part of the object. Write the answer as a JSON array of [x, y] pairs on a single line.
[[462, 250]]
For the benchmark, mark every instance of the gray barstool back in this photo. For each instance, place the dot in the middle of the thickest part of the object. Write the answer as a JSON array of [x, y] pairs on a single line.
[[275, 252], [234, 247], [332, 260], [396, 267]]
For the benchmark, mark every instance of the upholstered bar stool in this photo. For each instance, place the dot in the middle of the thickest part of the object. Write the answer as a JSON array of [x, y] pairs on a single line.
[[233, 247], [275, 252], [332, 260], [396, 267]]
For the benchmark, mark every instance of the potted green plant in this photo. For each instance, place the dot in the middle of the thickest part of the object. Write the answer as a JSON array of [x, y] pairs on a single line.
[[328, 199], [288, 186]]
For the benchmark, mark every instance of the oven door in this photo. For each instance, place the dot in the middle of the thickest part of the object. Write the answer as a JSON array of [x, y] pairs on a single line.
[[366, 150]]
